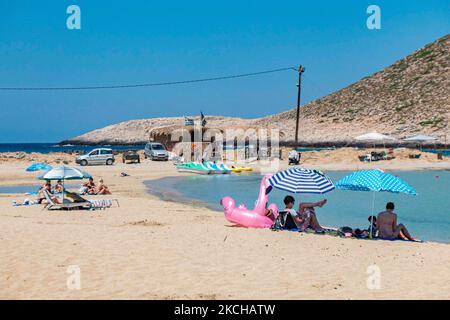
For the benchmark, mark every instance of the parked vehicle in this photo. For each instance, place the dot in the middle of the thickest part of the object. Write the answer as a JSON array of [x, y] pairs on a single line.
[[156, 151], [131, 156], [100, 156]]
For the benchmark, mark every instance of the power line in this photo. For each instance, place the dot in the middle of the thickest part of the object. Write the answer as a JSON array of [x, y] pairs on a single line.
[[155, 84]]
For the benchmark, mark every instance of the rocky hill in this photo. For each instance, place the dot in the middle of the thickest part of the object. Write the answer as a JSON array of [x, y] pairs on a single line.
[[410, 97], [138, 131]]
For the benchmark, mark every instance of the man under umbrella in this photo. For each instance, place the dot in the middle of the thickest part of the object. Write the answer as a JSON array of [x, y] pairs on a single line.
[[388, 227]]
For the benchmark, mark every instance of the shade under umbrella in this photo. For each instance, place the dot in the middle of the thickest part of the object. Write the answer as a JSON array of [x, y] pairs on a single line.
[[38, 167], [64, 173], [376, 181], [300, 180]]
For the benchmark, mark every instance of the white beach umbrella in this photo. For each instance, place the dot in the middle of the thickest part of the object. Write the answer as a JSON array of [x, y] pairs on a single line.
[[64, 173], [374, 136]]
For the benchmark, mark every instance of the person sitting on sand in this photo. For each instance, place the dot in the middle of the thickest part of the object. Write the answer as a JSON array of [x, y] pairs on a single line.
[[306, 216], [387, 225], [358, 233], [59, 187], [102, 188], [88, 187]]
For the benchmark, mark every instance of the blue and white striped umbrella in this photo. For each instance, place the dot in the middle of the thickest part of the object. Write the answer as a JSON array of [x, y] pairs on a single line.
[[374, 180], [299, 180]]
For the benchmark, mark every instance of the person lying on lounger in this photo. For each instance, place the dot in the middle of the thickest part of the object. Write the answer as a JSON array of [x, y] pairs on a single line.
[[46, 187], [387, 225], [306, 216]]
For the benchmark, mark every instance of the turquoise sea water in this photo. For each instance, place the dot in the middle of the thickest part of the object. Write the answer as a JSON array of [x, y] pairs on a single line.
[[426, 215]]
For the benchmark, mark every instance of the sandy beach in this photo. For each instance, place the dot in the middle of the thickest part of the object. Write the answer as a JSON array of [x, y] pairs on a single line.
[[151, 249]]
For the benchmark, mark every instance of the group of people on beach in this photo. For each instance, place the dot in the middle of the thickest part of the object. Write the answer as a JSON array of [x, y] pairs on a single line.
[[88, 187], [384, 226]]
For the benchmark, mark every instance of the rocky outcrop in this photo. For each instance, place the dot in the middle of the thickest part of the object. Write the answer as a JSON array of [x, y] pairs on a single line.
[[138, 131], [412, 96]]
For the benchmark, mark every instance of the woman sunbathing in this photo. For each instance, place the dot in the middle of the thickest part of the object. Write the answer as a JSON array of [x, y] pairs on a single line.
[[47, 186], [102, 188]]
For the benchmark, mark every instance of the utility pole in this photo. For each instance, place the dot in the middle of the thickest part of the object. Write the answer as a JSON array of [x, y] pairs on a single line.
[[301, 69]]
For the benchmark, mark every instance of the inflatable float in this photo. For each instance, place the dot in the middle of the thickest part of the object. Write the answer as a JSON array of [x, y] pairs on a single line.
[[255, 218]]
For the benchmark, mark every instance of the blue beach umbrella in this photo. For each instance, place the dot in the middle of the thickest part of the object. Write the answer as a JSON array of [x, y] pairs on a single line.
[[38, 167], [300, 180], [376, 181]]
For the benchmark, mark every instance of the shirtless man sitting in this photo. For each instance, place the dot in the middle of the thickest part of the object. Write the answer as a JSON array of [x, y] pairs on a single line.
[[388, 227]]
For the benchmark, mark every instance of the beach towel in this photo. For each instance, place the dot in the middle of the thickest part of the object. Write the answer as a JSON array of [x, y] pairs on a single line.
[[101, 203]]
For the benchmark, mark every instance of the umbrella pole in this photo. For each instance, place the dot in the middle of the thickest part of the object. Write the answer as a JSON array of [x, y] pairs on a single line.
[[371, 220]]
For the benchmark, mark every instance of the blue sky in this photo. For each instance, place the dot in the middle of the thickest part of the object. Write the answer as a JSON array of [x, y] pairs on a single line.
[[125, 42]]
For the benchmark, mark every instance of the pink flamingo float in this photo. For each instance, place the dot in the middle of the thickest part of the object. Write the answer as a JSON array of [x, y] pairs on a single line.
[[255, 218]]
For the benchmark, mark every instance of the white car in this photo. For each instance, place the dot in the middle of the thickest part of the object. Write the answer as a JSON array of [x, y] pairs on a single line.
[[155, 151], [97, 156]]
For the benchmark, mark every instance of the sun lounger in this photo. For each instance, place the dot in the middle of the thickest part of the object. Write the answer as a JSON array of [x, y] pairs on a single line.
[[51, 205], [79, 203]]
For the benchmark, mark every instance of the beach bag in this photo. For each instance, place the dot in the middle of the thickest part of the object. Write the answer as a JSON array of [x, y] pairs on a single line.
[[345, 232]]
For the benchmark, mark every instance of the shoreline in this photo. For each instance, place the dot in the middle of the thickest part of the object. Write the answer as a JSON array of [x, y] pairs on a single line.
[[164, 193], [153, 249]]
